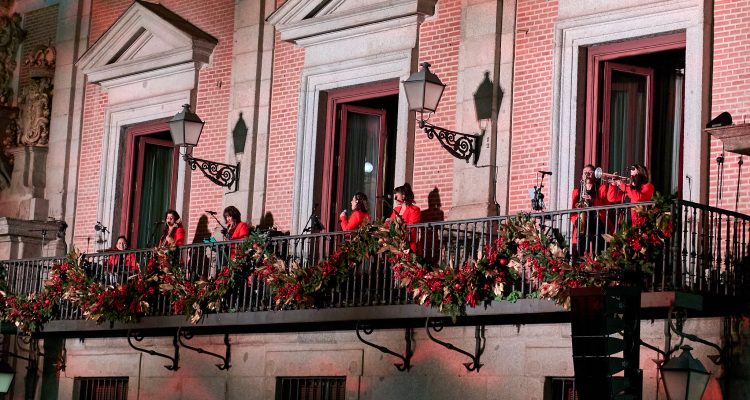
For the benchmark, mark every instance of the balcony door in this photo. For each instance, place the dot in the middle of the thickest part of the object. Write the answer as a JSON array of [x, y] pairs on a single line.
[[627, 119], [150, 182], [359, 150], [360, 155], [634, 108]]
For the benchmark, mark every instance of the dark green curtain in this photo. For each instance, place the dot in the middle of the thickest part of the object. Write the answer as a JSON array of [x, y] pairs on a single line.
[[362, 158], [155, 192]]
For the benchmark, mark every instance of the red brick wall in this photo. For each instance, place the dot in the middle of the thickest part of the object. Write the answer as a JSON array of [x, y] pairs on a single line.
[[216, 18], [532, 98], [439, 44], [288, 60], [439, 40], [41, 29], [731, 93]]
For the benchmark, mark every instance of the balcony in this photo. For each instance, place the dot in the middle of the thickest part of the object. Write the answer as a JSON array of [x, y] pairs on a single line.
[[703, 262]]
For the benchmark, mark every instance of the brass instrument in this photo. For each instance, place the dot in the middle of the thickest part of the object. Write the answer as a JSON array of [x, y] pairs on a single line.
[[582, 203], [610, 178]]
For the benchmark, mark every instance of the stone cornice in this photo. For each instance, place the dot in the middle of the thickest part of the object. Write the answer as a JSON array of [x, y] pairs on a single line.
[[123, 49], [299, 26]]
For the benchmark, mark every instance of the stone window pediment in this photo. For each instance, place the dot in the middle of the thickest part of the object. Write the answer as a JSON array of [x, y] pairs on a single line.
[[145, 37], [299, 19]]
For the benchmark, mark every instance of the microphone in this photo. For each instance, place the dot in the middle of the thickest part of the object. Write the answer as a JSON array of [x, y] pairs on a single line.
[[545, 172], [209, 212], [100, 228], [385, 196]]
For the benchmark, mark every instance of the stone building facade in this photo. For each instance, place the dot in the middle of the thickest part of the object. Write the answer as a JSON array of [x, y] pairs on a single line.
[[284, 71]]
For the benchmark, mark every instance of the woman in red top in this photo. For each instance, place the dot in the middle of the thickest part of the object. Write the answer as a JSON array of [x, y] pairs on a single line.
[[236, 229], [173, 233], [407, 211], [360, 213], [639, 189], [116, 261], [589, 236]]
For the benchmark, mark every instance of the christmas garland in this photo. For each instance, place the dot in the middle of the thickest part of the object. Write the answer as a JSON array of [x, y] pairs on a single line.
[[521, 252]]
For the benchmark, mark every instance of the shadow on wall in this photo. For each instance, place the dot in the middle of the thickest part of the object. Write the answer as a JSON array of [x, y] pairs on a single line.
[[201, 231], [433, 213]]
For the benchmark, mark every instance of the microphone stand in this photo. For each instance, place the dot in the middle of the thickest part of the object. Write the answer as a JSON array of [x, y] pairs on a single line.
[[719, 177], [739, 176], [313, 222]]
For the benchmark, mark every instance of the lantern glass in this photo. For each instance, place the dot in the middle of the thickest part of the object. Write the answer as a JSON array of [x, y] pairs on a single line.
[[423, 90], [186, 128], [685, 378]]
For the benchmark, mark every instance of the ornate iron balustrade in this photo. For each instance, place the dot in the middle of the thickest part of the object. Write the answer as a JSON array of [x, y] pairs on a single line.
[[708, 254]]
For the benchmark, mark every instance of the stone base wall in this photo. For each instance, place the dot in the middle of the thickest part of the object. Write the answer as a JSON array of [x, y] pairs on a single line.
[[515, 364]]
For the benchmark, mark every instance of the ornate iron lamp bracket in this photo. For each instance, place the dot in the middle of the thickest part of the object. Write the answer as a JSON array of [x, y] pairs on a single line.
[[475, 363], [463, 146], [226, 358], [224, 175], [409, 352], [175, 360]]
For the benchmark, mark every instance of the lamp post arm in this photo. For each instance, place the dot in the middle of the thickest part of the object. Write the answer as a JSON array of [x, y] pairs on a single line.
[[219, 173], [677, 329], [464, 146]]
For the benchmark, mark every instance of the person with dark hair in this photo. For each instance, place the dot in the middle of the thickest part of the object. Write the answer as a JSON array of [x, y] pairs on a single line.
[[236, 229], [638, 190], [360, 213], [405, 208], [588, 226], [407, 211], [173, 233], [116, 261]]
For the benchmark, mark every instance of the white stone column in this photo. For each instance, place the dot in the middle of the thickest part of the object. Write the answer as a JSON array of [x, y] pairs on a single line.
[[251, 100], [474, 187]]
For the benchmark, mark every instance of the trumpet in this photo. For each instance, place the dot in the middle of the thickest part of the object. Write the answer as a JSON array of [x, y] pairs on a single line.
[[607, 177]]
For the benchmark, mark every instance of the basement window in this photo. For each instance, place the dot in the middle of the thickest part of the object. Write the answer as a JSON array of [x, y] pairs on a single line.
[[311, 388], [100, 388], [557, 388]]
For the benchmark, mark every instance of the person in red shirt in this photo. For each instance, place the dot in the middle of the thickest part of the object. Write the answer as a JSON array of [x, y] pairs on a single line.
[[173, 233], [587, 233], [639, 189], [407, 211], [236, 229], [117, 261], [360, 213]]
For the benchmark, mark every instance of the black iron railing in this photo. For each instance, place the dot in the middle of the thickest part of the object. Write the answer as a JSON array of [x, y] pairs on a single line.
[[707, 253]]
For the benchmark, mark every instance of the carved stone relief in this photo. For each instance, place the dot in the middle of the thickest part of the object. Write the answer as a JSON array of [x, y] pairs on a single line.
[[35, 99], [33, 117]]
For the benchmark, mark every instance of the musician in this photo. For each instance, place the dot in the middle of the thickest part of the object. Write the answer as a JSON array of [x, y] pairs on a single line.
[[407, 211], [639, 189], [587, 232], [173, 233], [360, 213]]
